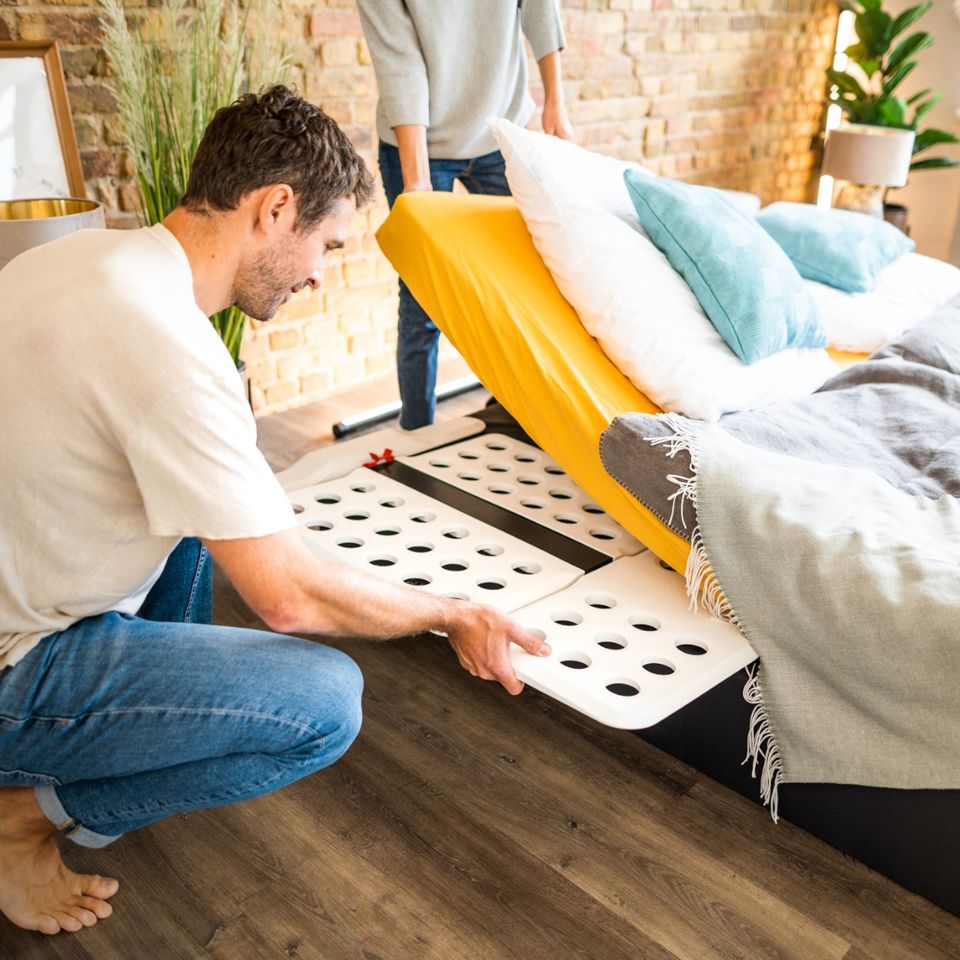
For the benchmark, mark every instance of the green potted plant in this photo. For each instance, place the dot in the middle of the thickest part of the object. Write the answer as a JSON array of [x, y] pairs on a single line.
[[878, 63], [173, 68]]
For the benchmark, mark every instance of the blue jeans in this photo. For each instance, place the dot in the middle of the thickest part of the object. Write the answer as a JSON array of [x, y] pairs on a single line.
[[416, 334], [121, 720]]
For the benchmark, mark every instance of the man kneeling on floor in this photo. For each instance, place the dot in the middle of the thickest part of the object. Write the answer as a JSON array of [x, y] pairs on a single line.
[[129, 452]]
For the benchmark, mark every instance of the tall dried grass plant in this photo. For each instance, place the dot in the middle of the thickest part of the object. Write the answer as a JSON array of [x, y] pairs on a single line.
[[173, 67]]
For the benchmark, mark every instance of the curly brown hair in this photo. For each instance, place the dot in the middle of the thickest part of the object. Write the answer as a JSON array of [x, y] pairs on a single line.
[[276, 137]]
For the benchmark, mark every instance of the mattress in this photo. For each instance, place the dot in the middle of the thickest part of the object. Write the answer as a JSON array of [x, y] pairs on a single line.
[[472, 266]]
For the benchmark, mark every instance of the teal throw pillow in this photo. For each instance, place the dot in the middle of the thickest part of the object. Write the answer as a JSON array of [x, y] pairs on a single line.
[[745, 283], [838, 247]]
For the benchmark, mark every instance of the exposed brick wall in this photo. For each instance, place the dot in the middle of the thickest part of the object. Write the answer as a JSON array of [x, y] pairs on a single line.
[[728, 92]]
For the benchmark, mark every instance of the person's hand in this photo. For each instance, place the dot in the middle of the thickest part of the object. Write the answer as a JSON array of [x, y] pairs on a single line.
[[417, 186], [481, 638], [556, 121]]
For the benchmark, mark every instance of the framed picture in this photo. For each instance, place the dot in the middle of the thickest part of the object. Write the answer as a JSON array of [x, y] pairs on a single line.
[[38, 146]]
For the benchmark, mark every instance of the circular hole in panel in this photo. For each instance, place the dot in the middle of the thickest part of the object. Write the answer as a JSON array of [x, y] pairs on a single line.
[[561, 494], [350, 543], [362, 487], [455, 533], [489, 549], [528, 481], [495, 445], [468, 476], [603, 533], [319, 526], [491, 583], [387, 531], [536, 632], [437, 462], [528, 569], [623, 688], [497, 467], [392, 502], [660, 667], [418, 579], [554, 470], [666, 566], [327, 498], [601, 601], [420, 546], [424, 516], [357, 515], [593, 508], [643, 622], [455, 566], [566, 618], [610, 641], [297, 507], [524, 458], [693, 648], [383, 560], [469, 455], [565, 518], [501, 489], [576, 660], [456, 596], [533, 503]]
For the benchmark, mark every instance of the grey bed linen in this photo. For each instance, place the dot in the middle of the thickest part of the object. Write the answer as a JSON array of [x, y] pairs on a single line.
[[896, 414]]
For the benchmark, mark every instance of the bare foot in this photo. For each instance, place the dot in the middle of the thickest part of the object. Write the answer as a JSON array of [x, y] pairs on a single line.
[[37, 891]]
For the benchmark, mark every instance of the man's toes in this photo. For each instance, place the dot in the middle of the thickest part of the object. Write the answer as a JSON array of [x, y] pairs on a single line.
[[47, 924], [87, 917], [101, 908], [96, 886], [71, 924]]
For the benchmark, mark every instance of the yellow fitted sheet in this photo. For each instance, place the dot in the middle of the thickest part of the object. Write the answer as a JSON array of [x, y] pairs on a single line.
[[471, 264]]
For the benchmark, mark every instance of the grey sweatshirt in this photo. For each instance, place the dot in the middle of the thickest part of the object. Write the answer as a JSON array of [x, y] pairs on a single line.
[[450, 64]]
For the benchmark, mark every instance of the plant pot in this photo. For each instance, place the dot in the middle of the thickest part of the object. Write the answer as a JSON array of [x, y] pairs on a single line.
[[28, 223], [896, 214]]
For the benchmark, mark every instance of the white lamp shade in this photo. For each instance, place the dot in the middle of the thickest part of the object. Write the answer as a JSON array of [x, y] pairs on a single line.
[[879, 156]]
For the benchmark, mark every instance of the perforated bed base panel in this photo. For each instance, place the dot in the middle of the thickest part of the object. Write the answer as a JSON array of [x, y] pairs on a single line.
[[371, 521], [523, 479], [627, 649]]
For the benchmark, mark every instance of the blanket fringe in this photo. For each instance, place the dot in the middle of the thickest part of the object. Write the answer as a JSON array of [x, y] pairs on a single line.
[[704, 589], [762, 746]]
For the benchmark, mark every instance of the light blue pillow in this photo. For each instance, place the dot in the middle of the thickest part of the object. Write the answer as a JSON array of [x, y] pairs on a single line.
[[838, 247], [745, 283]]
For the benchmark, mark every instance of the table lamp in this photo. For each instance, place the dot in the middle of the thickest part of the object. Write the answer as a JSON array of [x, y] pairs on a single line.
[[870, 159], [28, 223]]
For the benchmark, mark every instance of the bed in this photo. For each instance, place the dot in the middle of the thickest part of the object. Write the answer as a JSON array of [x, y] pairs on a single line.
[[472, 265]]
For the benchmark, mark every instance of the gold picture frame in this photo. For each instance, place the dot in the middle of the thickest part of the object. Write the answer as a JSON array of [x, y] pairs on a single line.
[[38, 145]]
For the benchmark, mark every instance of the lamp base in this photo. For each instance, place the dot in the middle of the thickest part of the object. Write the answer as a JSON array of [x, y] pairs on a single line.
[[861, 198]]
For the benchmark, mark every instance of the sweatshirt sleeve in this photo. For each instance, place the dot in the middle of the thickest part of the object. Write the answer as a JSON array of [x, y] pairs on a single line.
[[540, 21], [397, 61]]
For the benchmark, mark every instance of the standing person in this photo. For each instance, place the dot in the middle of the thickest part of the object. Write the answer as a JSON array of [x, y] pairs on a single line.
[[126, 442], [444, 67]]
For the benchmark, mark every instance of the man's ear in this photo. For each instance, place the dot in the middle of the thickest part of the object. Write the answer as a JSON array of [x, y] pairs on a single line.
[[277, 207]]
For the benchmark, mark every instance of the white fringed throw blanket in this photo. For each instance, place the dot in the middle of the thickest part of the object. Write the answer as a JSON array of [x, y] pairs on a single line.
[[849, 590]]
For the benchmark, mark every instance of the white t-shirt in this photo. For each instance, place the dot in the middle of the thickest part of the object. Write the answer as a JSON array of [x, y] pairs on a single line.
[[123, 427]]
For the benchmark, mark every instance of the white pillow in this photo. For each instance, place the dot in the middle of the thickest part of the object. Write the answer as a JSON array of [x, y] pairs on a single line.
[[906, 292], [627, 295]]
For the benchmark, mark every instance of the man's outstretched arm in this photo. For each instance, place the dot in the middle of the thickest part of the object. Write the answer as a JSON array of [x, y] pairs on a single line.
[[294, 591]]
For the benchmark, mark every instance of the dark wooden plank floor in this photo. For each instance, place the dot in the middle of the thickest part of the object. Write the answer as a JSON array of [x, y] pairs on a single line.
[[468, 824]]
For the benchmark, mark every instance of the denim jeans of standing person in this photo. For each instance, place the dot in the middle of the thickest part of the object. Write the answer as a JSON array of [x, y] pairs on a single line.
[[121, 720], [417, 335]]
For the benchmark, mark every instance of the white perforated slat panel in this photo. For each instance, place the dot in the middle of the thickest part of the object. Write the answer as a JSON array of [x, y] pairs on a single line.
[[373, 522], [523, 479], [626, 648]]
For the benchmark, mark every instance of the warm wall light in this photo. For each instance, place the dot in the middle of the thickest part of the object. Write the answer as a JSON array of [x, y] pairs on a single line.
[[846, 34]]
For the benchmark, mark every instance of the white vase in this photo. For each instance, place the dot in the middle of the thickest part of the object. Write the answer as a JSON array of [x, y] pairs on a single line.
[[28, 223]]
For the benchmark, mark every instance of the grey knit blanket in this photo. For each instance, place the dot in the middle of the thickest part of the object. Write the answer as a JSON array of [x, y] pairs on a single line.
[[828, 529]]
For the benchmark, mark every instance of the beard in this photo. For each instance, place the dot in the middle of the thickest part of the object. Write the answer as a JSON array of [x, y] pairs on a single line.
[[263, 285]]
